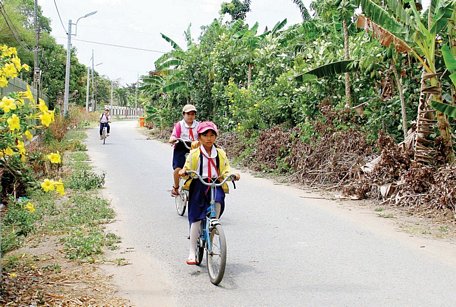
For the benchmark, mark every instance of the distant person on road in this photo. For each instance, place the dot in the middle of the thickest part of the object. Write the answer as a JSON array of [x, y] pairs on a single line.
[[105, 119], [211, 163], [185, 130]]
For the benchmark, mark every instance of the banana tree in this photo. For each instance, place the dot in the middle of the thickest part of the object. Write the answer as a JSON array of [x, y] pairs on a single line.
[[302, 8], [403, 26], [168, 76], [450, 63]]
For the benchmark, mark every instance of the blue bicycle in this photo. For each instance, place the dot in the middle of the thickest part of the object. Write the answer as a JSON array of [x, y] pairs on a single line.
[[212, 240]]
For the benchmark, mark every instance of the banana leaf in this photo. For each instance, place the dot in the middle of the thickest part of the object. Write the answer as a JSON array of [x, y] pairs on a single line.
[[169, 40], [174, 86], [445, 108], [326, 70], [169, 63], [449, 58], [278, 26], [305, 78]]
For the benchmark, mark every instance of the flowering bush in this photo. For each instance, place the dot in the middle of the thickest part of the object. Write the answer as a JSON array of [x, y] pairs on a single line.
[[20, 117]]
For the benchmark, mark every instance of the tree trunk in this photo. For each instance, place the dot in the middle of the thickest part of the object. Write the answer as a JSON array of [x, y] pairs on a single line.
[[249, 75], [347, 57], [401, 96], [425, 123], [435, 92]]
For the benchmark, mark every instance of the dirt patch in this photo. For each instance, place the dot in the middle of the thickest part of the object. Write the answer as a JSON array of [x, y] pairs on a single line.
[[39, 274]]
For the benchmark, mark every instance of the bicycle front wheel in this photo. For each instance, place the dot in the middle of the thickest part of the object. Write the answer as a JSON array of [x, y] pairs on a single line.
[[216, 254], [104, 136], [181, 202], [199, 251]]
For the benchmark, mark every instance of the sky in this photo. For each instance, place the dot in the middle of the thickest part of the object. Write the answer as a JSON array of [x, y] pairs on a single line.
[[138, 24]]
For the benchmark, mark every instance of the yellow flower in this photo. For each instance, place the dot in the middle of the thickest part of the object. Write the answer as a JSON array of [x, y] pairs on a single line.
[[20, 146], [54, 157], [3, 81], [42, 106], [46, 118], [10, 70], [30, 207], [9, 151], [14, 122], [24, 158], [17, 62], [12, 275], [25, 67], [28, 94], [47, 185], [11, 51], [7, 104], [28, 135], [59, 187]]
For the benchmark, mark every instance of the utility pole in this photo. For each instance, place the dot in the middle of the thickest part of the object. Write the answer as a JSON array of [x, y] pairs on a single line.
[[36, 69], [94, 104], [88, 88], [68, 61], [112, 92], [136, 93]]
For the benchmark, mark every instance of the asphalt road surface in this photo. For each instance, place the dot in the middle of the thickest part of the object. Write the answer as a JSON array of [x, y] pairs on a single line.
[[286, 246]]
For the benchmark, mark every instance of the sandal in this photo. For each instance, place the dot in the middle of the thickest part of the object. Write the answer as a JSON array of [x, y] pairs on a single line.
[[191, 261], [175, 191]]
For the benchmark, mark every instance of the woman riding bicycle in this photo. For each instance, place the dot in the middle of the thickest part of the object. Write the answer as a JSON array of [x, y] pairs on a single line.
[[212, 164], [185, 130]]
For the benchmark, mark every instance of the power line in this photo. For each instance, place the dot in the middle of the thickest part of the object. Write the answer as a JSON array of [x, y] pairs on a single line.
[[119, 46], [12, 27], [58, 13]]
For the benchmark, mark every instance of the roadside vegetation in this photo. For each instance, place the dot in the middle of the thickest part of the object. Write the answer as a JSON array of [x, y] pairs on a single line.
[[49, 252], [356, 100], [52, 217]]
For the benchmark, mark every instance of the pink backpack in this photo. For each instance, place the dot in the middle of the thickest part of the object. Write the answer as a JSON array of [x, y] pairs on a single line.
[[178, 129]]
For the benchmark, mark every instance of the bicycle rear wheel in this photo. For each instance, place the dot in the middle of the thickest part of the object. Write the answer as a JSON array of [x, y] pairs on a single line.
[[181, 202], [216, 256]]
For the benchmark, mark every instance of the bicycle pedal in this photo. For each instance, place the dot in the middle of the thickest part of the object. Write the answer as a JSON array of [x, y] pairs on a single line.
[[214, 222]]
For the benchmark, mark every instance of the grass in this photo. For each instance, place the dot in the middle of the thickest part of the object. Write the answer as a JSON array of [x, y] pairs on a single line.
[[77, 218], [386, 215]]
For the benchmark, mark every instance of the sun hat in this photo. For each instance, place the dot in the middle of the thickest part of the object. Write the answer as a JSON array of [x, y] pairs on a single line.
[[205, 126], [188, 108], [106, 108]]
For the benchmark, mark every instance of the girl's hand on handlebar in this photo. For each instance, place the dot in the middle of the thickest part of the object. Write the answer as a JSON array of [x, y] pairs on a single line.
[[195, 144], [236, 176]]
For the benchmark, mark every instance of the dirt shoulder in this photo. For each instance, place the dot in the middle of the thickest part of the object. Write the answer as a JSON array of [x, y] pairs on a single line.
[[41, 275]]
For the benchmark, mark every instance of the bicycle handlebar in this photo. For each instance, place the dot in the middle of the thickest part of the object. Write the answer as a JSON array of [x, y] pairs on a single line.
[[194, 174], [183, 142]]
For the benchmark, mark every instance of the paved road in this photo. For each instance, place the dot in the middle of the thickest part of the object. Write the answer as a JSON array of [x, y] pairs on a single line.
[[285, 248]]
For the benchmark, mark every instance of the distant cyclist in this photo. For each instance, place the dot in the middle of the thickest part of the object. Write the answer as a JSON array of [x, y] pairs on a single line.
[[105, 119], [186, 130]]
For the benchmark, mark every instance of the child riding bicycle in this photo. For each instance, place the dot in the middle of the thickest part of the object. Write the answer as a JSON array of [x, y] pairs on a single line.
[[212, 164], [185, 130], [105, 119]]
